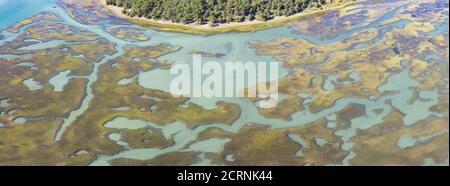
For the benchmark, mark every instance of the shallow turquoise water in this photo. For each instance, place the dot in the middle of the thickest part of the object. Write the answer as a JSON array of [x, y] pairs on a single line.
[[32, 84], [60, 80], [214, 145], [406, 141], [12, 11], [43, 45]]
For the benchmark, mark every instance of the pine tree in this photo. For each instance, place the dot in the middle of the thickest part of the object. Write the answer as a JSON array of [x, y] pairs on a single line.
[[216, 11]]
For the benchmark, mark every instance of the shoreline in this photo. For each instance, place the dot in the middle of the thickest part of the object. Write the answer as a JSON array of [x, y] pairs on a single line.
[[205, 29]]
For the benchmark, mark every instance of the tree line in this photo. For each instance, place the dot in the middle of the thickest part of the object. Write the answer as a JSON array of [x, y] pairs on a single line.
[[215, 11]]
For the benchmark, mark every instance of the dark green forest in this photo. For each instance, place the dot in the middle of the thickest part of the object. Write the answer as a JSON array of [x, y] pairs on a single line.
[[216, 11]]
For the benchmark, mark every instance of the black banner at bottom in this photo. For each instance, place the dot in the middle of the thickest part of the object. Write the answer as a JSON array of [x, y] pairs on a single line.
[[225, 175]]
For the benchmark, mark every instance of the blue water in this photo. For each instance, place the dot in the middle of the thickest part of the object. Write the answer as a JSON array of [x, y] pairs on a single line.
[[60, 80], [12, 11]]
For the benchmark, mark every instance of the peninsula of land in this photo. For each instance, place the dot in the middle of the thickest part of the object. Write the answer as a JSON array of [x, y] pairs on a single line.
[[218, 16]]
